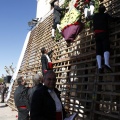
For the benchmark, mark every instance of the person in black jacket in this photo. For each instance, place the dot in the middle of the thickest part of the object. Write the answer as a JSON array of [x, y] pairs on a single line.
[[37, 83], [3, 91], [100, 25], [21, 100], [56, 17], [46, 103], [45, 60]]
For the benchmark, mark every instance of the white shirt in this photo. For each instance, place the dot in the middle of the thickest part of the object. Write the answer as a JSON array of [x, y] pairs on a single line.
[[56, 99], [48, 58]]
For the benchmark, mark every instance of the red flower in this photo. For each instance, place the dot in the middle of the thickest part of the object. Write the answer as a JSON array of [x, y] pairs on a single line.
[[76, 3]]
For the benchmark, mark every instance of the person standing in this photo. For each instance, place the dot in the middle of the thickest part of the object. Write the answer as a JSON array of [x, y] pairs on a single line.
[[37, 83], [21, 99], [45, 60], [46, 103], [100, 26], [0, 88], [3, 91]]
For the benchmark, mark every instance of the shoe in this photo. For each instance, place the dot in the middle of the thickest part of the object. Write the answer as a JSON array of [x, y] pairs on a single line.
[[60, 32], [53, 37], [6, 105], [68, 44], [2, 101], [108, 68], [100, 70]]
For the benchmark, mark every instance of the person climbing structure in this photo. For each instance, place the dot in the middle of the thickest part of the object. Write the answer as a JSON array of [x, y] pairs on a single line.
[[100, 26], [56, 18]]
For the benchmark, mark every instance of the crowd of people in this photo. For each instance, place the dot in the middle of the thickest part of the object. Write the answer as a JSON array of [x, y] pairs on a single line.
[[41, 101], [3, 90]]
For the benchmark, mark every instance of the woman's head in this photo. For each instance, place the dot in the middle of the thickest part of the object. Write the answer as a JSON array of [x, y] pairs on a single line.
[[37, 79]]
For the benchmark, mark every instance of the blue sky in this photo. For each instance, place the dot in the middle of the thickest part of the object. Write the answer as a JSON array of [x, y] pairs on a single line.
[[14, 17]]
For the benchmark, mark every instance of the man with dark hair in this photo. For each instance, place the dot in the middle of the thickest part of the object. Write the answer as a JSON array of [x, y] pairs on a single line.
[[46, 103], [21, 99], [100, 26], [45, 60]]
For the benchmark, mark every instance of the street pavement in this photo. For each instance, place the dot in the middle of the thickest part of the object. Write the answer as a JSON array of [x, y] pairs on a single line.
[[6, 112]]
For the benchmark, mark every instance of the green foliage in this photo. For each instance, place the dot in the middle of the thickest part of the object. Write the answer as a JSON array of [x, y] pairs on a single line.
[[58, 36], [96, 6], [1, 80], [87, 25], [66, 3]]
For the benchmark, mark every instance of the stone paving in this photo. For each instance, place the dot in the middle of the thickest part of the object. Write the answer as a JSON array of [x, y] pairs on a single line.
[[6, 112]]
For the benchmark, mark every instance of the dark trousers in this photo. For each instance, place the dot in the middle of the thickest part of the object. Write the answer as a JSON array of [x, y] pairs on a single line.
[[102, 43], [3, 94], [23, 114], [55, 22]]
